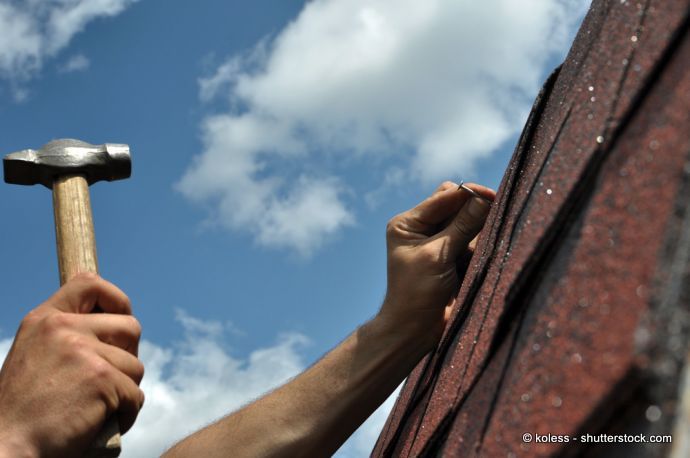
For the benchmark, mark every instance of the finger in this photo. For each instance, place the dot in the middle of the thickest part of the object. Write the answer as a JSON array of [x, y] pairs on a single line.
[[472, 245], [483, 191], [441, 206], [448, 311], [426, 217], [86, 292], [130, 399], [462, 262], [122, 331], [121, 360], [466, 225], [446, 185]]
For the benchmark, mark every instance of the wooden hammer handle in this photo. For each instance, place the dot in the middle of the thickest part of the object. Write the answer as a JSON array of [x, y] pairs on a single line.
[[76, 249]]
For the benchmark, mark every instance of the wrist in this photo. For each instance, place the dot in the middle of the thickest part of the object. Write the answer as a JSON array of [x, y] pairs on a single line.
[[13, 445], [407, 333], [15, 441]]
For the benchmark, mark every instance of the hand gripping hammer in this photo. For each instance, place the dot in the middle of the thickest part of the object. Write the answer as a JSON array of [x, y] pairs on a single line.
[[68, 167]]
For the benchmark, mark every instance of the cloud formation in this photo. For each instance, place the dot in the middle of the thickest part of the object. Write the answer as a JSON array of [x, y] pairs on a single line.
[[432, 86], [198, 380], [34, 30], [76, 63]]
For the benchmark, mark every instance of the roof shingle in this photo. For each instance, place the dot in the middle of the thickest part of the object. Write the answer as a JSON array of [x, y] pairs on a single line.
[[573, 315]]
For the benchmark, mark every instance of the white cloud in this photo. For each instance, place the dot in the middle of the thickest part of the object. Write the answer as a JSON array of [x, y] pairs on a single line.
[[76, 63], [197, 380], [362, 442], [5, 348], [432, 85], [34, 30], [299, 215]]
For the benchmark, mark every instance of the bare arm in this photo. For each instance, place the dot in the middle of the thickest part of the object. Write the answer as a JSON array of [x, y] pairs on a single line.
[[316, 412]]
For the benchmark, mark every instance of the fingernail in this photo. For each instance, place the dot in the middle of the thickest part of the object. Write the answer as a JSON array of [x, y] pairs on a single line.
[[478, 208]]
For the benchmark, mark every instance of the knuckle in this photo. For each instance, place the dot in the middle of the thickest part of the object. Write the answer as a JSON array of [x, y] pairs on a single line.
[[90, 282], [74, 343], [99, 372], [57, 322], [31, 319], [394, 224], [85, 286], [134, 327], [390, 227], [139, 371], [86, 277], [127, 303]]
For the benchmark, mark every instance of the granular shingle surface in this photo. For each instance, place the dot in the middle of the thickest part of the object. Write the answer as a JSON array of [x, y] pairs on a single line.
[[573, 316]]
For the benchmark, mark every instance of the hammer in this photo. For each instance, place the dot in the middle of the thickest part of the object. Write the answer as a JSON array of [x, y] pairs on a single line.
[[68, 167]]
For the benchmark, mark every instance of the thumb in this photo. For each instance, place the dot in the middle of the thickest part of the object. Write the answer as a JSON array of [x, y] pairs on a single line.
[[466, 225]]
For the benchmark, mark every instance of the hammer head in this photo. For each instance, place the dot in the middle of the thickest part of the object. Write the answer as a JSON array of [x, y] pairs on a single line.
[[68, 157]]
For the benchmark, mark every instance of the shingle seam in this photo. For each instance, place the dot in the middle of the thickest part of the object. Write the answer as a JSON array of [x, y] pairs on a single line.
[[522, 212], [626, 69], [580, 62], [608, 123], [609, 120], [578, 68], [501, 380], [499, 328], [492, 406]]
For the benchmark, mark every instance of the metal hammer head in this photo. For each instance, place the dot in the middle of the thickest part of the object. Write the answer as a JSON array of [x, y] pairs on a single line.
[[68, 157]]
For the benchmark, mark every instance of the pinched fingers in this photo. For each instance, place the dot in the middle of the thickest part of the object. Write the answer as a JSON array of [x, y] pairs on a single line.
[[434, 214], [425, 219], [440, 206]]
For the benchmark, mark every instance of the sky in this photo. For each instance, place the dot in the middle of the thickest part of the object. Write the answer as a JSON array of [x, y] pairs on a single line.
[[271, 142]]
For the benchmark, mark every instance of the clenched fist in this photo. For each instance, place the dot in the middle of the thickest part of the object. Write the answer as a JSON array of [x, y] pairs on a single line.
[[69, 369]]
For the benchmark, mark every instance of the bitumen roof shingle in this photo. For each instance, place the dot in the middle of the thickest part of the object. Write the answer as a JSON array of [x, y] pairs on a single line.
[[573, 316]]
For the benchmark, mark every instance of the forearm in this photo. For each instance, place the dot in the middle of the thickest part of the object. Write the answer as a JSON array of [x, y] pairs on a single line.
[[316, 412]]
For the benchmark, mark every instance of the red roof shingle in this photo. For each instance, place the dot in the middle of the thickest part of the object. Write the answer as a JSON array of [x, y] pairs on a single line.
[[573, 315]]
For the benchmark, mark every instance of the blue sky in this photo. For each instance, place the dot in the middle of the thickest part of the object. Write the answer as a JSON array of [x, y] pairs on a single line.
[[271, 142]]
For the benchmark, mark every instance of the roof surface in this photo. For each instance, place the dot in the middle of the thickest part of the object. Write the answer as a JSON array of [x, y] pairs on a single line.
[[573, 316]]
